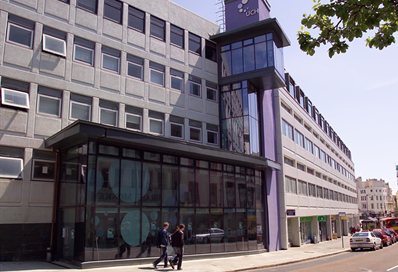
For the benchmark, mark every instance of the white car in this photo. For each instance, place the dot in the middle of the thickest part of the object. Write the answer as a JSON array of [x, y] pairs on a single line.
[[365, 239]]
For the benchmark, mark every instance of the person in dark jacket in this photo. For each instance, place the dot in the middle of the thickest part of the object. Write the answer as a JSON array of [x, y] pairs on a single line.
[[163, 241], [177, 241]]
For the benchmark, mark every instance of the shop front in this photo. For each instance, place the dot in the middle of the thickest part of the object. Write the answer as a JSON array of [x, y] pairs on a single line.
[[116, 187], [306, 230]]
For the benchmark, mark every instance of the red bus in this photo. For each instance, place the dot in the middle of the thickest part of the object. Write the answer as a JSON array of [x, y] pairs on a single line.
[[389, 222]]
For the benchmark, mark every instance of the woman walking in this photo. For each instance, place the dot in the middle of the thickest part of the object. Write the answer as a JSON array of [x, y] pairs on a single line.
[[177, 241]]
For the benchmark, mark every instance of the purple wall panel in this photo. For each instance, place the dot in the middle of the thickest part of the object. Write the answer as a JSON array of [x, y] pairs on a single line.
[[268, 125], [273, 210], [239, 13]]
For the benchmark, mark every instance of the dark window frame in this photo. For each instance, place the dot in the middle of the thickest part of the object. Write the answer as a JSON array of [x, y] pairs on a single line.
[[136, 15], [114, 5], [160, 25]]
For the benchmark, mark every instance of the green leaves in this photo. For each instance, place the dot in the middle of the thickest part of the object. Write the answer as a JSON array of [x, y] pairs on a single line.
[[341, 21]]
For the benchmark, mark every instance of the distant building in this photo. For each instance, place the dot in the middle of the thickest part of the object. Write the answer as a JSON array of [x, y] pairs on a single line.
[[375, 197]]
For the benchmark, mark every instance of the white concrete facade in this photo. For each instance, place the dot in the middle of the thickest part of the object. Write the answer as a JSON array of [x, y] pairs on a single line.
[[375, 197], [318, 189]]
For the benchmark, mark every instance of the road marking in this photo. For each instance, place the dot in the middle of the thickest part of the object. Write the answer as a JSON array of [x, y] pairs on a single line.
[[392, 268]]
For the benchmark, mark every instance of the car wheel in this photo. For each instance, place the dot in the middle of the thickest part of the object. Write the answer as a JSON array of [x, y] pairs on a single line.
[[352, 249], [374, 247], [381, 245]]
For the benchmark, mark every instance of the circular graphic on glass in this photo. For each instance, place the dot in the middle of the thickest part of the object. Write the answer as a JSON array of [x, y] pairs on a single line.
[[130, 228]]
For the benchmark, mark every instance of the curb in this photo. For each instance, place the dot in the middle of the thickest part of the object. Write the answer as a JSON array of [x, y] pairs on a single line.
[[289, 262]]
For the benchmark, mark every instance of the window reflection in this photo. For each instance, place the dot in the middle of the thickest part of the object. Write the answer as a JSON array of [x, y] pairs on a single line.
[[251, 54], [151, 183], [107, 185]]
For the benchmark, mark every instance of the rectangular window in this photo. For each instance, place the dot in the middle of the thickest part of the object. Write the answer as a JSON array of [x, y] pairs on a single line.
[[291, 185], [110, 59], [299, 138], [14, 98], [10, 167], [211, 91], [212, 134], [49, 101], [289, 161], [135, 66], [177, 36], [54, 45], [88, 5], [80, 107], [308, 145], [211, 51], [195, 130], [136, 19], [108, 113], [302, 188], [176, 127], [177, 80], [113, 10], [287, 130], [20, 31], [83, 51], [43, 170], [133, 121], [156, 122], [157, 73], [195, 85], [133, 118], [158, 27], [195, 44]]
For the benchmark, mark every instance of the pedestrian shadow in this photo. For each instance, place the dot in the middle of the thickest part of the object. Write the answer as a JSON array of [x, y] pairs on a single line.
[[157, 269]]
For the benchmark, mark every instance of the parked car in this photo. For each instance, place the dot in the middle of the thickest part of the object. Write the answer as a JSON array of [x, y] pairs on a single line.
[[392, 234], [383, 236], [214, 235], [365, 239]]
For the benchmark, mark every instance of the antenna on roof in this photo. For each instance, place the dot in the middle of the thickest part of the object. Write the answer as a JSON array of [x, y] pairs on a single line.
[[221, 15]]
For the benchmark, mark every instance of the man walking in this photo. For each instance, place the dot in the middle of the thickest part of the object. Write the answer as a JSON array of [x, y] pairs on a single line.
[[177, 241], [163, 239]]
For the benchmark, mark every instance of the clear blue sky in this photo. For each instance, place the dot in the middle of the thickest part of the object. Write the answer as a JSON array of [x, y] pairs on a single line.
[[356, 92]]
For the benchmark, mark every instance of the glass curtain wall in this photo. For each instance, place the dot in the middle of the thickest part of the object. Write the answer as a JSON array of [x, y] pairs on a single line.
[[240, 119], [113, 201], [251, 54]]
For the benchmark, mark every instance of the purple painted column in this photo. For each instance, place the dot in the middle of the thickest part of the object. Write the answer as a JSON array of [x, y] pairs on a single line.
[[271, 175], [239, 13]]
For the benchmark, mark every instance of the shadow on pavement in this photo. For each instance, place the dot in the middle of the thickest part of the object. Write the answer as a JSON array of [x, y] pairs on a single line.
[[28, 266]]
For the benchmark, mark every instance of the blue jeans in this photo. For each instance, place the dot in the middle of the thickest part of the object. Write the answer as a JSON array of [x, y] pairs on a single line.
[[163, 257]]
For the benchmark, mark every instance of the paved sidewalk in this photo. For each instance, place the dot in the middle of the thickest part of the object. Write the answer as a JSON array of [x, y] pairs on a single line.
[[229, 264]]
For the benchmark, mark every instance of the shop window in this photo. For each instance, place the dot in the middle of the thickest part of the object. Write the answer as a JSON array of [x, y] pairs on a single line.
[[88, 5], [176, 127], [158, 27], [43, 170], [135, 66], [195, 44], [83, 51], [177, 80], [113, 10], [136, 19], [177, 36], [20, 31]]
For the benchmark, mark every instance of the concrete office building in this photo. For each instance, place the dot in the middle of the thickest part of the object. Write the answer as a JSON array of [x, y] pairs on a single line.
[[110, 125], [375, 198], [117, 115], [319, 188]]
